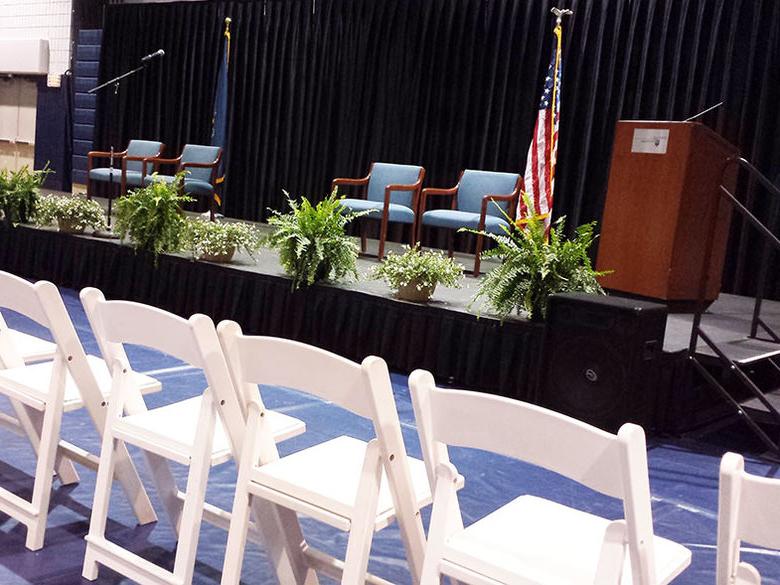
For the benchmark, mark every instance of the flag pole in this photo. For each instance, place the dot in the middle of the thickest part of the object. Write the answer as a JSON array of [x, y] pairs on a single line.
[[559, 14]]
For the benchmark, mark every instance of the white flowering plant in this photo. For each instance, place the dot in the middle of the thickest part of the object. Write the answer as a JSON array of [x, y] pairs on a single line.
[[422, 270], [76, 212], [220, 238]]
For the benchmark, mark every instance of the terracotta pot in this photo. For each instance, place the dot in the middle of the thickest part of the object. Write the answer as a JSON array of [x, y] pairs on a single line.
[[411, 293], [223, 258], [68, 226]]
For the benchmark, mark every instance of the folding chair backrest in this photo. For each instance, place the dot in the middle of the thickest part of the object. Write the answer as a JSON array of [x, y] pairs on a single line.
[[273, 361], [145, 148], [474, 185], [21, 296], [610, 464], [192, 340], [749, 510], [384, 174], [197, 153], [43, 303]]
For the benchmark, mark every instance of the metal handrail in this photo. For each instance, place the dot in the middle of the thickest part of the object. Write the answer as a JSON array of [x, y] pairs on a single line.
[[771, 241]]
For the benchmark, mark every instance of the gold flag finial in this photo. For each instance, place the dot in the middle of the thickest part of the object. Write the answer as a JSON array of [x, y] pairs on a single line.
[[228, 20]]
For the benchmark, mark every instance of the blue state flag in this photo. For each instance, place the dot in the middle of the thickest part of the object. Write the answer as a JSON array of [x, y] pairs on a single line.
[[220, 119]]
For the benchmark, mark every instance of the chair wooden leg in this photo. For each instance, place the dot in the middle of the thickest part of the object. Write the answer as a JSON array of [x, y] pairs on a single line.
[[450, 243], [363, 236], [413, 234], [382, 238], [362, 526], [478, 255]]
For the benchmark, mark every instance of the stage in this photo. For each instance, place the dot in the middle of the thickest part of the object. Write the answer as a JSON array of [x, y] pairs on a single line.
[[361, 318]]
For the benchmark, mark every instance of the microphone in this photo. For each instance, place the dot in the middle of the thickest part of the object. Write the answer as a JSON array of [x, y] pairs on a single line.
[[150, 56]]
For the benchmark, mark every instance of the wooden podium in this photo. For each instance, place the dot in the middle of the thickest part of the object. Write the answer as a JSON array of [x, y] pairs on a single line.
[[664, 210]]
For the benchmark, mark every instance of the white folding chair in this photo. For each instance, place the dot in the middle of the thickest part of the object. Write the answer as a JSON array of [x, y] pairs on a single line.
[[41, 392], [29, 347], [749, 510], [198, 432], [531, 539], [353, 486]]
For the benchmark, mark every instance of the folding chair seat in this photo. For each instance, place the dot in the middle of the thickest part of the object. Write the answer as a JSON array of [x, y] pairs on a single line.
[[197, 432], [748, 510], [31, 384], [353, 485], [171, 430], [547, 541], [340, 462], [41, 392], [30, 348], [532, 539]]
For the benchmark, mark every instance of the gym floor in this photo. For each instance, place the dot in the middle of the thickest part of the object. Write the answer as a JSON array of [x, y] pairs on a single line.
[[683, 478]]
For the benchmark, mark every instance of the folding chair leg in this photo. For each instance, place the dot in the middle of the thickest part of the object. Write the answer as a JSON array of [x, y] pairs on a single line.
[[105, 474], [361, 533], [281, 531], [445, 519], [127, 475], [31, 422], [192, 512], [163, 479], [47, 453]]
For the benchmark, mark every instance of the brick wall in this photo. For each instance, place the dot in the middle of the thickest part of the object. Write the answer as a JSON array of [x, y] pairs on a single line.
[[43, 19]]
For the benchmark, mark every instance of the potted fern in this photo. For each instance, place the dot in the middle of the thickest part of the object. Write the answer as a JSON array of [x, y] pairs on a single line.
[[19, 193], [152, 217], [311, 241], [72, 214], [413, 275], [535, 265], [217, 241]]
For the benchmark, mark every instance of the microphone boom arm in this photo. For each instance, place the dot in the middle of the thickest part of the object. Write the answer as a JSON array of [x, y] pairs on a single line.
[[116, 79]]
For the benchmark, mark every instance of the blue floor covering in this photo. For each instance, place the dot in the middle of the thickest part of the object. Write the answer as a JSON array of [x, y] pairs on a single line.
[[683, 477]]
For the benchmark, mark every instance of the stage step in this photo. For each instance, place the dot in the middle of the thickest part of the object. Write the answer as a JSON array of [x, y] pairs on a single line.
[[758, 407], [743, 351]]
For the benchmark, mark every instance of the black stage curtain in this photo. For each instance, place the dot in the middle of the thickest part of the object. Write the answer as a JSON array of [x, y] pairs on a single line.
[[320, 88]]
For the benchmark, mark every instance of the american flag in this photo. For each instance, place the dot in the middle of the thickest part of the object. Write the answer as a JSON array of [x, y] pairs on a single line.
[[539, 178]]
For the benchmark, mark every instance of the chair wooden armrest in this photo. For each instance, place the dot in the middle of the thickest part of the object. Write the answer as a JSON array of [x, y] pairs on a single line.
[[487, 199], [452, 192], [350, 182], [158, 161], [196, 165], [166, 161], [93, 154]]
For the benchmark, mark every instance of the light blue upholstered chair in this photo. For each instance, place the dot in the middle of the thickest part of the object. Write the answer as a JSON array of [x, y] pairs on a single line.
[[393, 192], [472, 205], [128, 168], [201, 164]]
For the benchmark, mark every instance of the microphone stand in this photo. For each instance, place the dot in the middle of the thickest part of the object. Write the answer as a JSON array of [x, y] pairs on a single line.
[[115, 83]]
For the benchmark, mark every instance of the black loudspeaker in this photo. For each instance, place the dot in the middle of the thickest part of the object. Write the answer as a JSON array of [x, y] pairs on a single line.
[[600, 356]]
